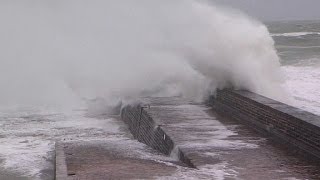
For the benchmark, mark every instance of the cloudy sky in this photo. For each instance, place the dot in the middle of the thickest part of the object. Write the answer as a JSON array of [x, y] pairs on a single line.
[[278, 9]]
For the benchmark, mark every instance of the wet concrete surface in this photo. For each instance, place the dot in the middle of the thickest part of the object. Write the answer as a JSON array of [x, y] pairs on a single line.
[[209, 139], [97, 161], [7, 175], [220, 149], [271, 160]]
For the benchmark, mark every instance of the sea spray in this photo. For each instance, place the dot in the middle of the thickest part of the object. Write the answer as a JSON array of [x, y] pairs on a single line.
[[62, 52]]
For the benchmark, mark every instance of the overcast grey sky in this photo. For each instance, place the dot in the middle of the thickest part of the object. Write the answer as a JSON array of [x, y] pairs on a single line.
[[278, 9]]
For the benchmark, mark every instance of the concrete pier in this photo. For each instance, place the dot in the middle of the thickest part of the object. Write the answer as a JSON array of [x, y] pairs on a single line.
[[178, 139], [289, 125], [208, 140], [97, 161]]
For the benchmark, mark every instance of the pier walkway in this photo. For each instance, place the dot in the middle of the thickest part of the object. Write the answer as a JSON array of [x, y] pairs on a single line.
[[217, 148]]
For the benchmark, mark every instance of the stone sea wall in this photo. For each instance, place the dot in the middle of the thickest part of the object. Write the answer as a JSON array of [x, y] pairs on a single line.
[[288, 124], [144, 128]]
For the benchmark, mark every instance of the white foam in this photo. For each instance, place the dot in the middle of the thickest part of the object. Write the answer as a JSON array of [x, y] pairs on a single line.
[[303, 83], [29, 136], [213, 133], [219, 171], [73, 49], [59, 52], [296, 34]]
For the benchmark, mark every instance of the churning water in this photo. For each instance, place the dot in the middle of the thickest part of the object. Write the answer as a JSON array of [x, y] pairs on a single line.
[[298, 45], [58, 55]]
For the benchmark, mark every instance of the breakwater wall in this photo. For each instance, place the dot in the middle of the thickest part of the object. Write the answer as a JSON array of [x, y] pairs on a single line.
[[288, 124], [146, 130], [60, 162]]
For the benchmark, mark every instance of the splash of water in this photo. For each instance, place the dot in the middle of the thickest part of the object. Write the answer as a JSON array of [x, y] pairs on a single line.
[[57, 52]]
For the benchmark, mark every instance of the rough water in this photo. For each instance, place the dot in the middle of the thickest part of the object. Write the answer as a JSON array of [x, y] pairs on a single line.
[[298, 45], [27, 135]]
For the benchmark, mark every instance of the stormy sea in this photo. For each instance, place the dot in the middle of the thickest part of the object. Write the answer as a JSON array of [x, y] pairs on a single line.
[[75, 54], [298, 45]]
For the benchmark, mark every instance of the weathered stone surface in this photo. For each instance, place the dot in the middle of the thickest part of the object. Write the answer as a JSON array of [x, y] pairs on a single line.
[[146, 130], [292, 125], [97, 161], [217, 147], [60, 166], [214, 144]]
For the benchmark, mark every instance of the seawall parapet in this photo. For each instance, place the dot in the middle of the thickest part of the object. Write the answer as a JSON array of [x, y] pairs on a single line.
[[286, 123], [146, 130], [60, 162], [199, 137]]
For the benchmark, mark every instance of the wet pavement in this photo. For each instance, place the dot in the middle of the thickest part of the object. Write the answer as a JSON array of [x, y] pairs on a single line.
[[218, 147], [99, 160], [209, 140]]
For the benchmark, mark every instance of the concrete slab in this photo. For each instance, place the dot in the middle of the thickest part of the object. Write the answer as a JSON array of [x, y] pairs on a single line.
[[209, 140], [60, 163], [218, 147], [95, 160]]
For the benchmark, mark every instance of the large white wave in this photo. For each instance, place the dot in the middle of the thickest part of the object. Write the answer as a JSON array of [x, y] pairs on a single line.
[[57, 52]]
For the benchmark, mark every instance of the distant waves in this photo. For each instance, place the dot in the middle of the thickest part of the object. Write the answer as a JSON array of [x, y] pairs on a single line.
[[295, 34]]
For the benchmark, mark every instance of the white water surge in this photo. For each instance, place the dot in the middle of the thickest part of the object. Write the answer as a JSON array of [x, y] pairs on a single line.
[[303, 83], [57, 54]]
